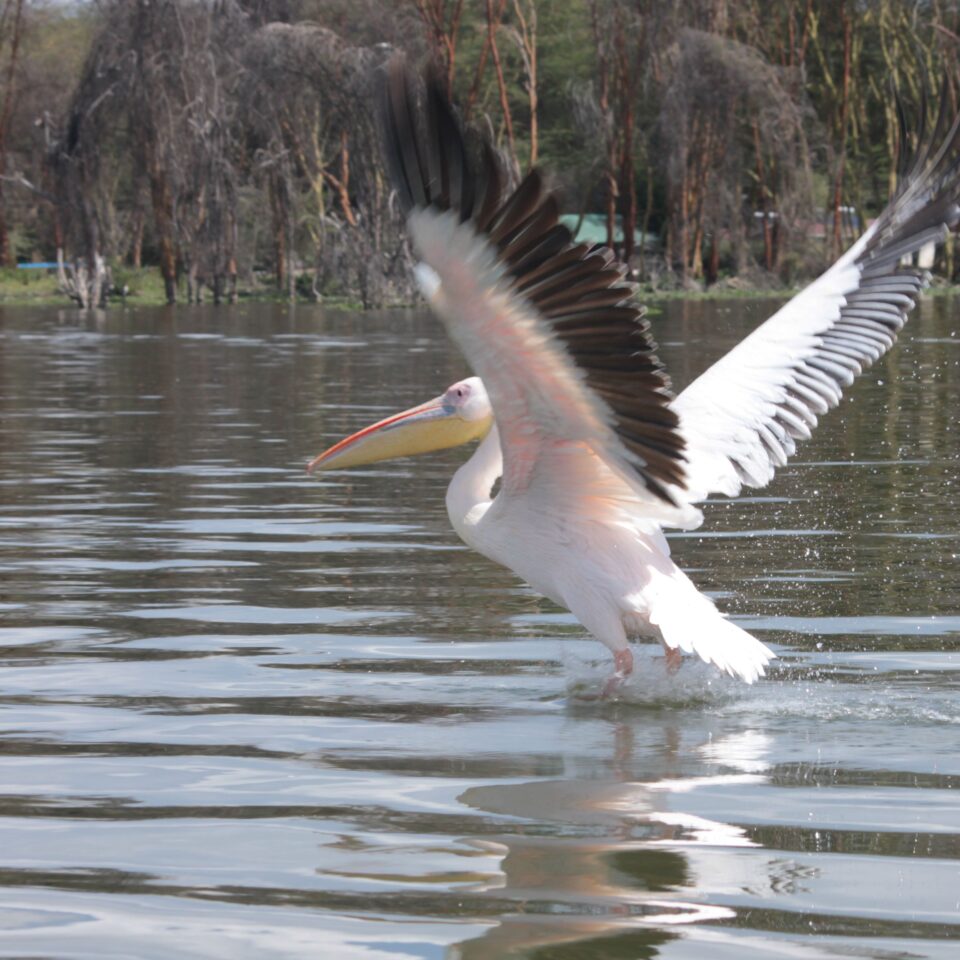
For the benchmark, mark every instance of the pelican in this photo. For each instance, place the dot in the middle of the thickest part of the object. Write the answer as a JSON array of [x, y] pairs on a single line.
[[572, 409]]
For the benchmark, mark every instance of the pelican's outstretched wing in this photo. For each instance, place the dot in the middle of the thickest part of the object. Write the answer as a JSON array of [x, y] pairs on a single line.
[[566, 358], [741, 418]]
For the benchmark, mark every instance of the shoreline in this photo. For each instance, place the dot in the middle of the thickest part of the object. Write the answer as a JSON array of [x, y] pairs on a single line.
[[42, 292]]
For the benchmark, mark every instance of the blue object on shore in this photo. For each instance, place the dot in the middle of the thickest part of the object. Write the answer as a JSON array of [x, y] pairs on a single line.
[[36, 266]]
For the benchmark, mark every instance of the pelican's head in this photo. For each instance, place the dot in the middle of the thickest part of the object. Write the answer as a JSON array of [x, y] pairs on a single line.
[[460, 414]]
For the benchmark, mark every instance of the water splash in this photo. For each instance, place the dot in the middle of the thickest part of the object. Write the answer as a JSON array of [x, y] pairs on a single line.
[[651, 684]]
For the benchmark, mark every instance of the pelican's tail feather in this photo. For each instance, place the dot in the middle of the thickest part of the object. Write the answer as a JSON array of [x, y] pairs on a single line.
[[692, 623]]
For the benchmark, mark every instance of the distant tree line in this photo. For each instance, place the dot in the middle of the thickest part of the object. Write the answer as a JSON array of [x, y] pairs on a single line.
[[234, 142]]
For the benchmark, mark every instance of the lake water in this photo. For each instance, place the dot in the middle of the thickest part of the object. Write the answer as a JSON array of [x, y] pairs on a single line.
[[248, 714]]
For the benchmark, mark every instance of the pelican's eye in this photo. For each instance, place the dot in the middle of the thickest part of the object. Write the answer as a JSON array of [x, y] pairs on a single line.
[[467, 400]]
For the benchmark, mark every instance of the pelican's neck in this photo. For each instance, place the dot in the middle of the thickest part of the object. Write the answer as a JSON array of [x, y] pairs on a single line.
[[472, 484]]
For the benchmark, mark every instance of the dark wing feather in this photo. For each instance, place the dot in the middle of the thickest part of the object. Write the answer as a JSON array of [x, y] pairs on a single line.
[[576, 294]]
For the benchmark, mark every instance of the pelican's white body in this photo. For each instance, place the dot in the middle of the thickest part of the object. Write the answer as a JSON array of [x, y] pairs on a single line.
[[592, 553], [571, 517]]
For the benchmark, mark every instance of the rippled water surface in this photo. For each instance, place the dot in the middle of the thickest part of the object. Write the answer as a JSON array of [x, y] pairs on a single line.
[[248, 714]]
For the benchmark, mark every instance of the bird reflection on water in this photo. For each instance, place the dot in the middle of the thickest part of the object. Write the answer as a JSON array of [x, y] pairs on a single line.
[[592, 862]]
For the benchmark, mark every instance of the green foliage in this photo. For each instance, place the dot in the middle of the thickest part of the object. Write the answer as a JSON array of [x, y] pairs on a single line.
[[28, 286], [684, 120]]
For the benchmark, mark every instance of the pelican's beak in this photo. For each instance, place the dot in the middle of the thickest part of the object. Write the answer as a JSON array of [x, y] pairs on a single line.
[[431, 426]]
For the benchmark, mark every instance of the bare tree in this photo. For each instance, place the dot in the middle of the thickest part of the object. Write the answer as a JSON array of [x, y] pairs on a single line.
[[494, 12], [718, 94], [525, 37], [601, 20], [78, 182], [11, 28], [310, 100], [158, 79], [442, 19]]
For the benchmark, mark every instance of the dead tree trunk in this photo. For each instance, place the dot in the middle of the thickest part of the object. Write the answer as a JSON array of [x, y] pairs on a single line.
[[842, 132], [601, 40], [626, 74], [492, 24], [525, 35], [442, 31], [162, 218], [6, 254]]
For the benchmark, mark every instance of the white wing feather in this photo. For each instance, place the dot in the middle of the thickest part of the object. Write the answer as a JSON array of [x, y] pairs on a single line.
[[729, 414], [741, 419]]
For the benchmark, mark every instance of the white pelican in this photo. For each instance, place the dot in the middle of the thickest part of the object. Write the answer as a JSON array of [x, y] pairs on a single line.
[[571, 406]]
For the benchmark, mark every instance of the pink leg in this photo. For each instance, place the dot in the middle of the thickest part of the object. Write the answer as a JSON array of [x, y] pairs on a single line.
[[673, 657], [606, 624], [623, 667]]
